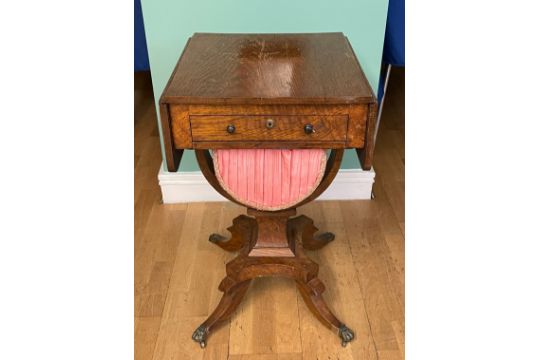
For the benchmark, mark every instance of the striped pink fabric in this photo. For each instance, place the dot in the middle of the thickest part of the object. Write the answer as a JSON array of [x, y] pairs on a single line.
[[269, 179]]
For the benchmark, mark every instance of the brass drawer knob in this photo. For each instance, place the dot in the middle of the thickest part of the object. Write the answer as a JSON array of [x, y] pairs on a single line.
[[231, 129], [269, 123], [308, 129]]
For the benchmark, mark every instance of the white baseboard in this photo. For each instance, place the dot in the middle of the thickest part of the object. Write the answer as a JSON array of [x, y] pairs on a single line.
[[181, 187]]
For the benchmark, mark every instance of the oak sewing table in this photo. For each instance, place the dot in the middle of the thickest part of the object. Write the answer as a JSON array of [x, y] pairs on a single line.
[[256, 105]]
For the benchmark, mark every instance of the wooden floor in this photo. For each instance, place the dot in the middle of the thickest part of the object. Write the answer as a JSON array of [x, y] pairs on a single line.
[[177, 271]]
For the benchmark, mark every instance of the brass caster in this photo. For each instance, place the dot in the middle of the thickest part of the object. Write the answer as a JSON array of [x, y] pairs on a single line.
[[346, 335], [200, 336]]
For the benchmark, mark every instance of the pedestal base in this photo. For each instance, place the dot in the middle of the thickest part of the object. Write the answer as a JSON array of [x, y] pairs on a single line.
[[272, 244]]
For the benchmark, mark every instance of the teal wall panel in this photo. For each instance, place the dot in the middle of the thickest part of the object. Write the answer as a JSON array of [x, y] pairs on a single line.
[[169, 23]]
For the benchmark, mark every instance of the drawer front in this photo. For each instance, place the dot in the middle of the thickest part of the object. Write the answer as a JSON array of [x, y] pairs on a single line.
[[304, 128]]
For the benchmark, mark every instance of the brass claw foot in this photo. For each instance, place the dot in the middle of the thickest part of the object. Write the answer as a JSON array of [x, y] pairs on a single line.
[[200, 336], [346, 335]]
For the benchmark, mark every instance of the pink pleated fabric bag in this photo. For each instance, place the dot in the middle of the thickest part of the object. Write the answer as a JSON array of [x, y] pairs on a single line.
[[269, 179]]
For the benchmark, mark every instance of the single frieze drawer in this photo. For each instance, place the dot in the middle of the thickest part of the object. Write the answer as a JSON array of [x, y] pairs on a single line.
[[269, 128]]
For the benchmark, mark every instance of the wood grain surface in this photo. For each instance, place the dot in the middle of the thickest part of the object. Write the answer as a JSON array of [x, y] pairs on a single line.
[[180, 126], [355, 125], [276, 109], [268, 69], [255, 128]]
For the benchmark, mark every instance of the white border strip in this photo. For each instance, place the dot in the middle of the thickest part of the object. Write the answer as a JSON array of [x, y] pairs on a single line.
[[182, 187]]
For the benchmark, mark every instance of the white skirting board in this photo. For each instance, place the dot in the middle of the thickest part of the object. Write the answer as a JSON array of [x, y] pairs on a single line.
[[181, 187]]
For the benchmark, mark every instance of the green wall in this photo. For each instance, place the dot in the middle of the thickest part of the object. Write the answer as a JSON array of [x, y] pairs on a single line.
[[169, 23]]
